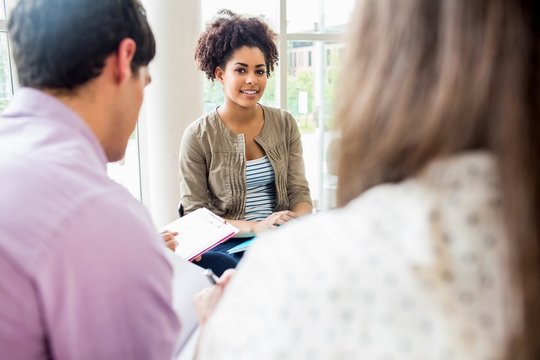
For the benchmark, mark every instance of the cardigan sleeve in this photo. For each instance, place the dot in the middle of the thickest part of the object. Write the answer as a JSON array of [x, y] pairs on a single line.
[[297, 185], [193, 172]]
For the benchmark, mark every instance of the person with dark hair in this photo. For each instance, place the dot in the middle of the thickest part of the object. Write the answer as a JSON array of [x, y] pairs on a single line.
[[243, 161], [435, 251], [84, 273]]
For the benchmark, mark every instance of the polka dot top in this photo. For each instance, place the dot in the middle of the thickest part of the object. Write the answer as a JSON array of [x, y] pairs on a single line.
[[413, 270]]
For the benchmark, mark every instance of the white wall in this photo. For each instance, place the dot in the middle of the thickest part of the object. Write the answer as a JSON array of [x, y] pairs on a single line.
[[172, 101]]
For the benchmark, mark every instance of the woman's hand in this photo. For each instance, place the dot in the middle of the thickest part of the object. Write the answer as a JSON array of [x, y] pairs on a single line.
[[274, 220], [207, 299], [252, 227], [169, 239]]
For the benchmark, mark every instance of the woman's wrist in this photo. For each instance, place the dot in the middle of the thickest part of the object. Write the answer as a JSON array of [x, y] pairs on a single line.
[[244, 226], [249, 227]]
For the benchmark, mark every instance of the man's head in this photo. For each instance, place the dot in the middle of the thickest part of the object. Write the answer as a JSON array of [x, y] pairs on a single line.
[[90, 54], [61, 44]]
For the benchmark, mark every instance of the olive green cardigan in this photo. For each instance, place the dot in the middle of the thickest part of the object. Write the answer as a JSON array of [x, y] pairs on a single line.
[[213, 164]]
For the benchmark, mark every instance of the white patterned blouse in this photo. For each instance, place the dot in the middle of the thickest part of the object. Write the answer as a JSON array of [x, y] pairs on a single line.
[[413, 270]]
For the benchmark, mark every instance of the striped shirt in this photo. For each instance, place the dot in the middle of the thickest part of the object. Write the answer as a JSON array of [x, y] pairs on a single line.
[[261, 189]]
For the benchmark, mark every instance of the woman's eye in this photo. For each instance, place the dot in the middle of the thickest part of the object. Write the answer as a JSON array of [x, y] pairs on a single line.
[[240, 71], [261, 72]]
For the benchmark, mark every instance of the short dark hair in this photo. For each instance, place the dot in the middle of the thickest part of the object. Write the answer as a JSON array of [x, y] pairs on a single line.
[[62, 44], [229, 32]]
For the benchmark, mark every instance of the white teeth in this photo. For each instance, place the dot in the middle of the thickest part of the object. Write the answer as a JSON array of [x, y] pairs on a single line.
[[249, 92]]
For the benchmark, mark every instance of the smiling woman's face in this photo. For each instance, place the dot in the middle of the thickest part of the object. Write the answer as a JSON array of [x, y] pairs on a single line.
[[244, 77]]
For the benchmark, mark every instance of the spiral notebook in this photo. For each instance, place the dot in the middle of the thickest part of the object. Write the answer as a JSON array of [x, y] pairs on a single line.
[[200, 231]]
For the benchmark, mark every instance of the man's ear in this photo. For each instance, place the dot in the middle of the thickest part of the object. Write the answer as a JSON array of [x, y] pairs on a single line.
[[125, 53], [219, 74]]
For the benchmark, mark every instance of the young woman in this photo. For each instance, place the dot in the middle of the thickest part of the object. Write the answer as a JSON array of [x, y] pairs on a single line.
[[243, 160], [436, 251]]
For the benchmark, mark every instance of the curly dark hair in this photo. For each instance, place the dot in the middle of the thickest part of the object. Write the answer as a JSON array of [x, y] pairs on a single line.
[[229, 31]]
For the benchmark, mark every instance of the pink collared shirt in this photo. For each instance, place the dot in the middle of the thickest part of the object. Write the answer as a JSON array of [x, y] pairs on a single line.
[[83, 274]]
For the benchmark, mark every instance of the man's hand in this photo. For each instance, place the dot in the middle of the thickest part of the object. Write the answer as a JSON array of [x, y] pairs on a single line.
[[207, 299], [169, 239]]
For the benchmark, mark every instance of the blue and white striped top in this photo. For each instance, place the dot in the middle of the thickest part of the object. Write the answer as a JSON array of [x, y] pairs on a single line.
[[261, 189]]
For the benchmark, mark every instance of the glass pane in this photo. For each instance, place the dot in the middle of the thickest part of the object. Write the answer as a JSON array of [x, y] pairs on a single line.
[[313, 68], [213, 95], [324, 16], [6, 87], [269, 9], [126, 171], [2, 11]]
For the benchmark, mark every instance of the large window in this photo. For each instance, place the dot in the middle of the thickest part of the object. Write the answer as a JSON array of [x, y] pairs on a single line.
[[311, 48], [127, 170]]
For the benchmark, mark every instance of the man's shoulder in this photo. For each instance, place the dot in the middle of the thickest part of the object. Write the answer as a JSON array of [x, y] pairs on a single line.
[[46, 190], [38, 206]]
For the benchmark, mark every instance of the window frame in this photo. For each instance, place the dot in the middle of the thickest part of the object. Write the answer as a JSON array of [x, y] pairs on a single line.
[[12, 78], [318, 38]]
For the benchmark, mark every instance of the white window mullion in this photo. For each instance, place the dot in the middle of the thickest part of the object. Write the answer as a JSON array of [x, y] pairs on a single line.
[[283, 64]]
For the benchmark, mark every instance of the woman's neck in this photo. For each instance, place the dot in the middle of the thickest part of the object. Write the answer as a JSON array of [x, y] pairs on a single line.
[[234, 114]]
